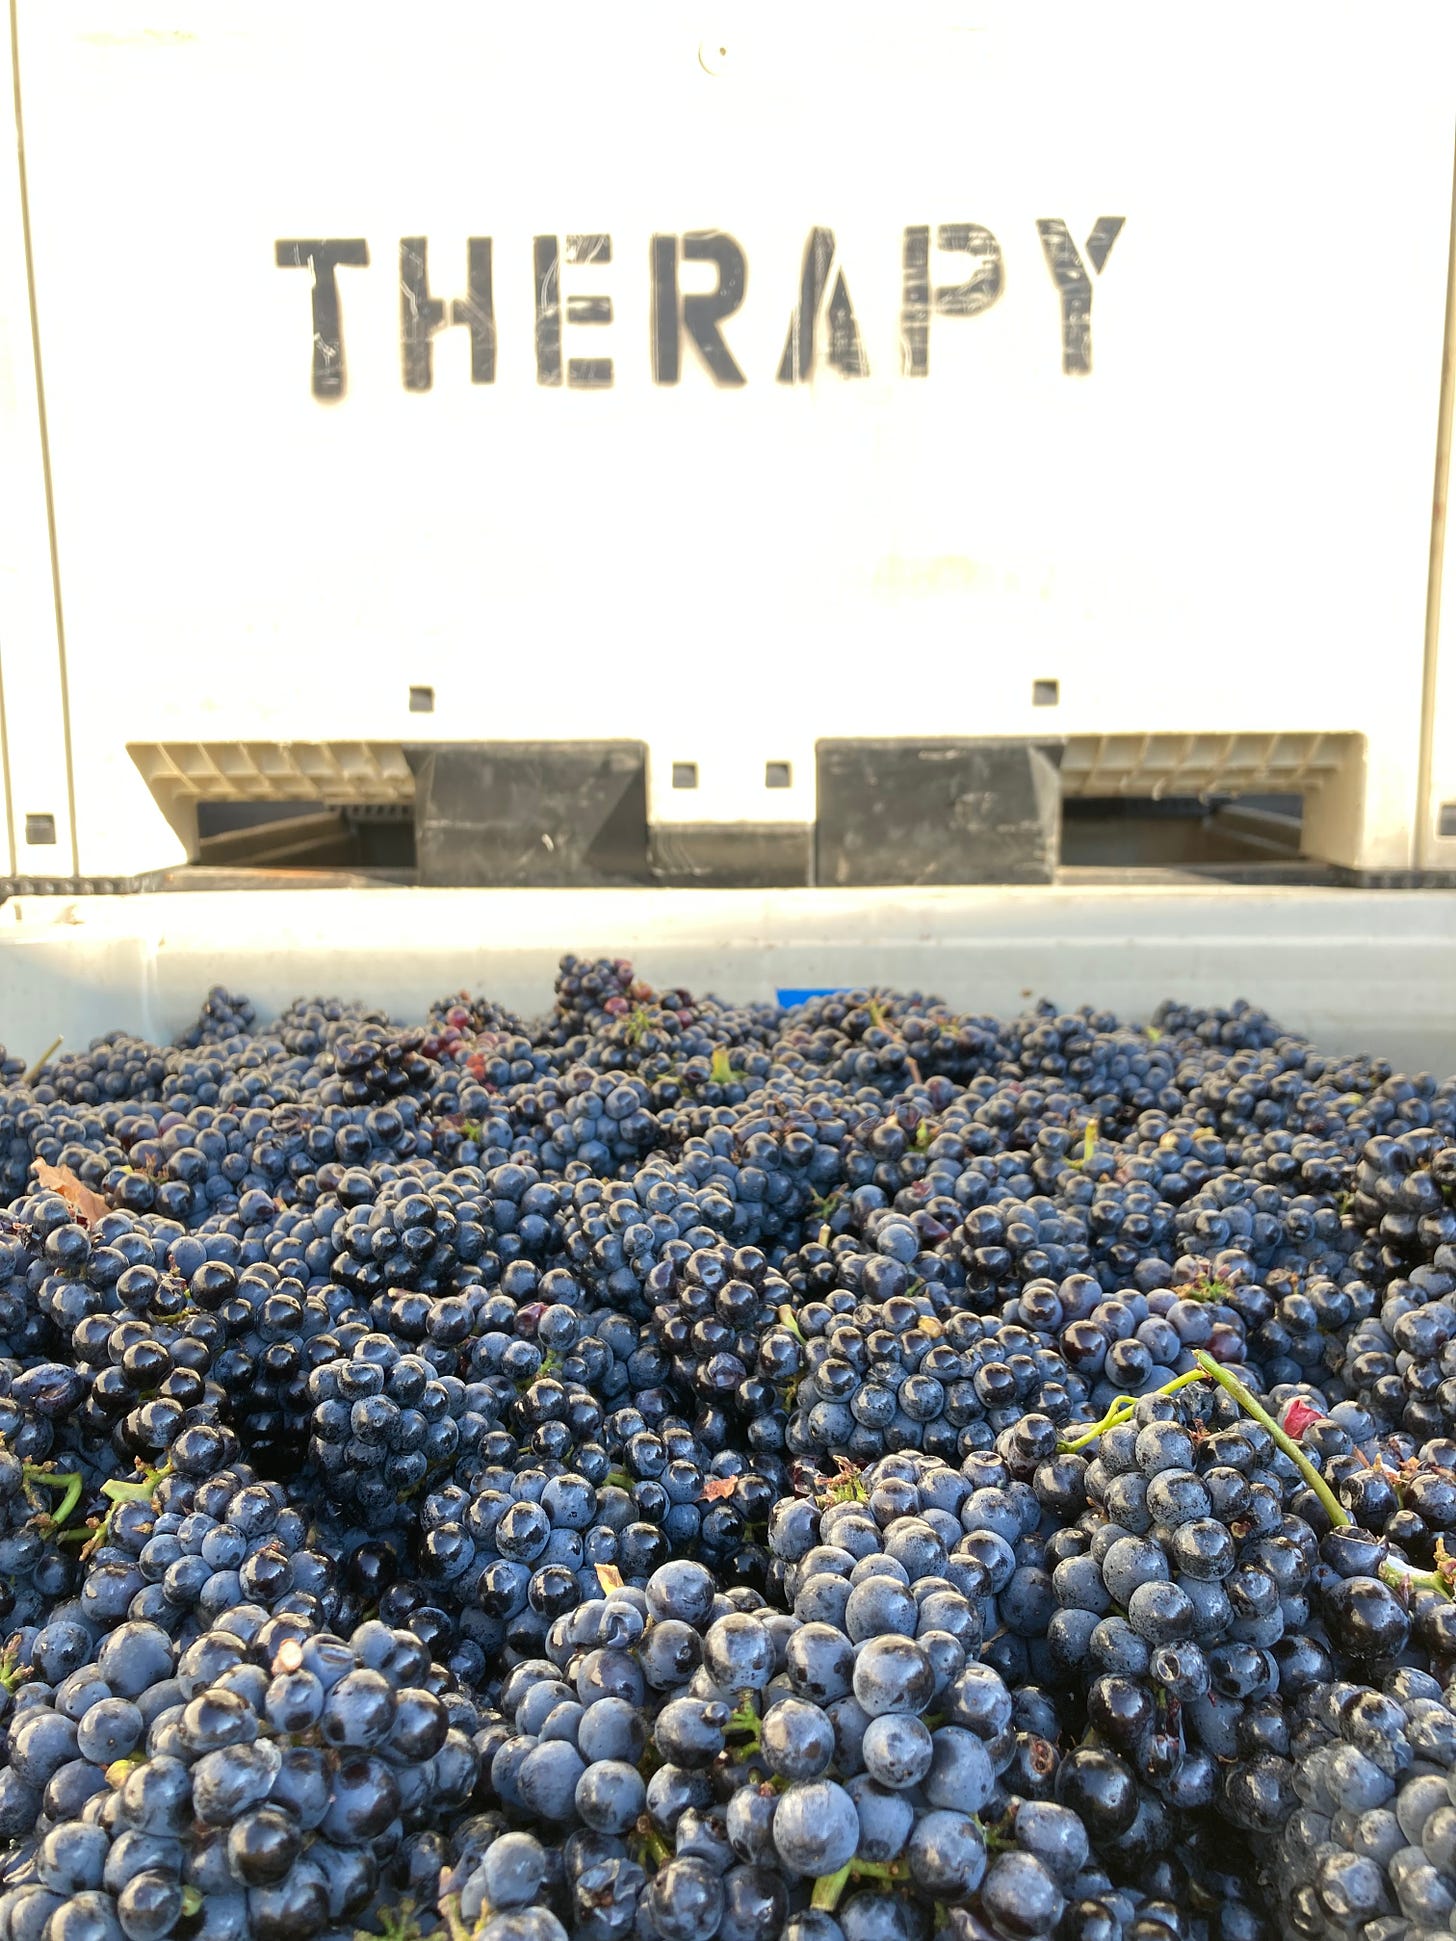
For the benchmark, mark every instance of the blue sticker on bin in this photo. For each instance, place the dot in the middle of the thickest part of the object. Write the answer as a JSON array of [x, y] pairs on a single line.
[[790, 998]]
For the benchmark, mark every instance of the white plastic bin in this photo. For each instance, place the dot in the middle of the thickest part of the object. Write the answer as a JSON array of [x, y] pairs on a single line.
[[1354, 970], [1090, 385]]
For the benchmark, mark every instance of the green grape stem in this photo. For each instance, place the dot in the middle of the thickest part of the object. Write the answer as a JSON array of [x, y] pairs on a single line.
[[13, 1674], [745, 1723], [40, 1064], [1400, 1576], [454, 1924], [1121, 1411], [68, 1480], [828, 1888], [654, 1847], [399, 1923], [138, 1492], [1334, 1509], [117, 1492]]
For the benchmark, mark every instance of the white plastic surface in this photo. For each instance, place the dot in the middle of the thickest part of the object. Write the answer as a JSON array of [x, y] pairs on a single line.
[[1355, 971], [34, 761], [1438, 848], [1222, 527]]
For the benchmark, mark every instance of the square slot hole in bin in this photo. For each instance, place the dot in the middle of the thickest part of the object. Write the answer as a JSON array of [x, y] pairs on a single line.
[[685, 775], [1045, 694], [40, 828], [778, 775], [422, 700]]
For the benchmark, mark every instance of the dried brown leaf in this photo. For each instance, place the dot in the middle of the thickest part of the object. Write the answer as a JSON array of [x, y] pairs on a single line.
[[87, 1206]]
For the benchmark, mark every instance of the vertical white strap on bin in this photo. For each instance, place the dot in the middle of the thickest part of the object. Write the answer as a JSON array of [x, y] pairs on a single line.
[[1436, 809], [39, 834]]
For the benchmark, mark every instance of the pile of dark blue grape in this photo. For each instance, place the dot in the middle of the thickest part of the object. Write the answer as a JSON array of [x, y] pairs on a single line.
[[673, 1470]]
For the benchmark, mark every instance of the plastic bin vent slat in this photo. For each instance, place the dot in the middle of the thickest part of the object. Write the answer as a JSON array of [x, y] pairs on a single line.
[[1115, 764], [1204, 764], [350, 772]]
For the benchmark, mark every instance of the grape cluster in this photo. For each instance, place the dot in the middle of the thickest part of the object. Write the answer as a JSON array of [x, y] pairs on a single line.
[[222, 1016], [264, 1780], [383, 1422], [1371, 1845], [676, 1469]]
